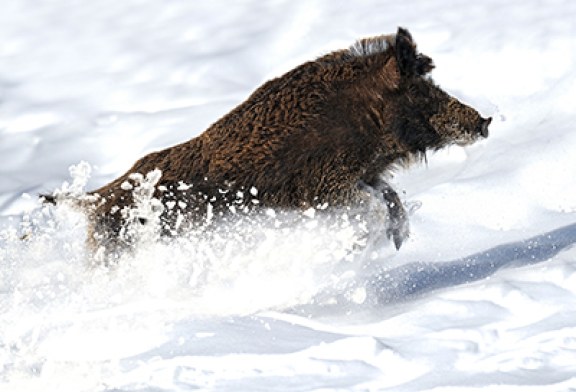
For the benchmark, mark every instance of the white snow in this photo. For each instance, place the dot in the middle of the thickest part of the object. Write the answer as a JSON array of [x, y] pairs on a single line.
[[481, 297]]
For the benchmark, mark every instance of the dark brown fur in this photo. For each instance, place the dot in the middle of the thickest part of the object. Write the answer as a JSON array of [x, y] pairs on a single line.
[[323, 133]]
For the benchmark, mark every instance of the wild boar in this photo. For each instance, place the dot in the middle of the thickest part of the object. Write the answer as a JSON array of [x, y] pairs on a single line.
[[324, 134]]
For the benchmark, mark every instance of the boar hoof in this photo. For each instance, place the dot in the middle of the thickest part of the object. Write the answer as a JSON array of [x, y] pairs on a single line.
[[397, 227], [397, 230]]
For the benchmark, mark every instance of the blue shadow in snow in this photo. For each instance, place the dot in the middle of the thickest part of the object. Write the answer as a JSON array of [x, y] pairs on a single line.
[[421, 277]]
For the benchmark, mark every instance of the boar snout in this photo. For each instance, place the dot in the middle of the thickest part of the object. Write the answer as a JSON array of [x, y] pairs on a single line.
[[483, 126], [459, 124]]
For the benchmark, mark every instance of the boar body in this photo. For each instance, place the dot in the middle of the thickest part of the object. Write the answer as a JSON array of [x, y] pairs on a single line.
[[324, 134]]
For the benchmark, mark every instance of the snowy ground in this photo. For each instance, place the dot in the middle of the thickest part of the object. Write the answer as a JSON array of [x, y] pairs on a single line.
[[483, 295]]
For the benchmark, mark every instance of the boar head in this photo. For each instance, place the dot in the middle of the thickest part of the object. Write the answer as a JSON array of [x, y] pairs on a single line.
[[429, 117]]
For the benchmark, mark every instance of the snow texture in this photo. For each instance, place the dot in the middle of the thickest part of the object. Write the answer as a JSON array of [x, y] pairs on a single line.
[[481, 297]]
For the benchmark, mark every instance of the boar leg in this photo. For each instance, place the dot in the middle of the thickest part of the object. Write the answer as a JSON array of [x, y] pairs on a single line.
[[397, 223], [397, 227]]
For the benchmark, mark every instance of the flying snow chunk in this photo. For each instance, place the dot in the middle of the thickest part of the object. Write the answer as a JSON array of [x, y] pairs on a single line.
[[126, 186], [310, 213], [136, 177], [183, 187]]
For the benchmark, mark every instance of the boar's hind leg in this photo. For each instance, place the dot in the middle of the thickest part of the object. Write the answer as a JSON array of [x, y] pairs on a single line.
[[397, 219]]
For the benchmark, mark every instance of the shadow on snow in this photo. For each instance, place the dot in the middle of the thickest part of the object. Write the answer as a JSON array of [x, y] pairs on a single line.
[[421, 277]]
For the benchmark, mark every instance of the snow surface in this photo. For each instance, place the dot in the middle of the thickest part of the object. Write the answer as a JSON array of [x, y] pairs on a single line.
[[481, 297]]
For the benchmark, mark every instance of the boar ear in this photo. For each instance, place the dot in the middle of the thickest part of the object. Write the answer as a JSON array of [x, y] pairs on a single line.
[[410, 62]]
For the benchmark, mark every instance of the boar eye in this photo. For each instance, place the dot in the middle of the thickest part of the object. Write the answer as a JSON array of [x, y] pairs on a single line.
[[413, 89]]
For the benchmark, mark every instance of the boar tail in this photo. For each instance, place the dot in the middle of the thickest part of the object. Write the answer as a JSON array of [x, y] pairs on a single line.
[[47, 199], [83, 203]]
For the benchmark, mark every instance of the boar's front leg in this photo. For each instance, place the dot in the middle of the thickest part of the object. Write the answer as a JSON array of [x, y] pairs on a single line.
[[397, 227]]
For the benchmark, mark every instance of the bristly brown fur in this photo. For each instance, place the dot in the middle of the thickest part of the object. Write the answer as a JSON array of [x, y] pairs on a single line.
[[317, 135]]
